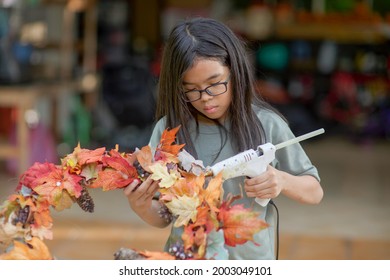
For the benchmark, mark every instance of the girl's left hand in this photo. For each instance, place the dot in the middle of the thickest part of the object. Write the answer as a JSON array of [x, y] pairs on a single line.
[[266, 185]]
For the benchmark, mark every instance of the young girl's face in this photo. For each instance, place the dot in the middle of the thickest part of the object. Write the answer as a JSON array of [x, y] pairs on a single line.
[[203, 74]]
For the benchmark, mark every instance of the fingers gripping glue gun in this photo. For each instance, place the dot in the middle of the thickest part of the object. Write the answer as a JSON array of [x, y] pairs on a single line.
[[252, 163]]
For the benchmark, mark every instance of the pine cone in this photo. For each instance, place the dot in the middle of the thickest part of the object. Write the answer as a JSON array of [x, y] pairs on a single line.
[[85, 201]]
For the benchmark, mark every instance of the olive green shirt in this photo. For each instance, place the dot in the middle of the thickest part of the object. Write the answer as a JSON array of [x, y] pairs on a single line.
[[291, 159]]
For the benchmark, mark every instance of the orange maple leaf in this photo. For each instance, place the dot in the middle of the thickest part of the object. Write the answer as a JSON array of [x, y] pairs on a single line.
[[214, 192], [167, 141], [35, 249], [189, 185], [238, 223], [85, 156], [195, 234], [81, 157], [149, 255], [145, 157]]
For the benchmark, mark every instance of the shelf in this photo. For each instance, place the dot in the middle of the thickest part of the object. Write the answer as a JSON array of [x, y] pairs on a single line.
[[340, 32]]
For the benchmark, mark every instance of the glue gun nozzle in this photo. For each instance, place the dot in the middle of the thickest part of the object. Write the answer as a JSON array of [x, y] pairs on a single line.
[[208, 173]]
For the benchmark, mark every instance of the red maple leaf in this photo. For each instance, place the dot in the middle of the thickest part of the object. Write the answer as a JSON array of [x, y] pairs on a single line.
[[50, 184], [85, 156], [34, 172], [117, 173], [238, 223]]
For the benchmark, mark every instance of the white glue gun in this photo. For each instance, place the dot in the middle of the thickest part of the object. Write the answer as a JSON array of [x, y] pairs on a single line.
[[252, 163]]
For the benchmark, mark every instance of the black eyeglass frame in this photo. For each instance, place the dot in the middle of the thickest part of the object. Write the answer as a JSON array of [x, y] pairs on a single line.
[[206, 90]]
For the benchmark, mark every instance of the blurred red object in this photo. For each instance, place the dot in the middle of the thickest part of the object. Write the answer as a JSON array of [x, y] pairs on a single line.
[[272, 91]]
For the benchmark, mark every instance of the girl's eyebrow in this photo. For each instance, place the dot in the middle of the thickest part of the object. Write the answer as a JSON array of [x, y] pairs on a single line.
[[208, 79]]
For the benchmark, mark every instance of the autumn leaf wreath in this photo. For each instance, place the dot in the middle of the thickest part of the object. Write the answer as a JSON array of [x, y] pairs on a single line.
[[187, 199]]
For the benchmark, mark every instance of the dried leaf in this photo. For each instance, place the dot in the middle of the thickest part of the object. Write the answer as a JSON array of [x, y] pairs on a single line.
[[111, 179], [185, 208], [214, 192], [118, 173], [34, 172], [34, 249], [239, 224], [145, 158], [156, 255], [90, 171], [51, 185], [160, 173], [167, 141]]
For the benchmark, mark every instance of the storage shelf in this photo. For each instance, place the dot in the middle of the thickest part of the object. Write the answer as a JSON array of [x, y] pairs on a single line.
[[340, 32]]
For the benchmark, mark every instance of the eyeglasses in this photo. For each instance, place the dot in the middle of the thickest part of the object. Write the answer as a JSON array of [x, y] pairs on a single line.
[[213, 90]]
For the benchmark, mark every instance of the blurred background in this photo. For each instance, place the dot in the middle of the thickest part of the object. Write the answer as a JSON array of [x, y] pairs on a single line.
[[86, 71]]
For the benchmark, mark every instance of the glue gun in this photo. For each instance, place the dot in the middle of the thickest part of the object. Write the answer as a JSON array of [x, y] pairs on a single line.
[[252, 163]]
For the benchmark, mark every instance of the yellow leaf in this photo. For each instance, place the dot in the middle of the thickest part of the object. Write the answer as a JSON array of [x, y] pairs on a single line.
[[64, 201], [160, 173], [185, 208]]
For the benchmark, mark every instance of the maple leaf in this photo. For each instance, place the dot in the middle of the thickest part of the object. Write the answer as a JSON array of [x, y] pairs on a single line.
[[118, 162], [35, 171], [156, 255], [82, 156], [111, 179], [85, 156], [160, 173], [51, 185], [238, 223], [185, 208], [214, 192], [118, 173], [35, 249], [164, 157], [195, 234], [167, 140], [64, 201], [145, 157], [42, 217], [90, 171], [188, 184]]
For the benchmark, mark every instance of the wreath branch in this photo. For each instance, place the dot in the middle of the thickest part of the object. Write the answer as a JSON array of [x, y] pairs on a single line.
[[188, 200]]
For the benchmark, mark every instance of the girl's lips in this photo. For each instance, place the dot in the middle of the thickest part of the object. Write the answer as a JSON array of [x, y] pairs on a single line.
[[210, 109]]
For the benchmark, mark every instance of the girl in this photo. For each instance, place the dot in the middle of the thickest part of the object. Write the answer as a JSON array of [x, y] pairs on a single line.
[[208, 87]]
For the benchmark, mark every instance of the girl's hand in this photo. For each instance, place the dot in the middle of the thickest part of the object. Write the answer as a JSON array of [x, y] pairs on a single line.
[[140, 195], [267, 185]]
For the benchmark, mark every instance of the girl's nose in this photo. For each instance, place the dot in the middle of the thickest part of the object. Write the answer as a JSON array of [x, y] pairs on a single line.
[[205, 96]]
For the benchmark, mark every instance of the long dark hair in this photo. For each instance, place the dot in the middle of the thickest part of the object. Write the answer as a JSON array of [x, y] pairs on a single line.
[[210, 39]]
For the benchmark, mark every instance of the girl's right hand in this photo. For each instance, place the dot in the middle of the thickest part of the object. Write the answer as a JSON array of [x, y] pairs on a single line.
[[140, 196]]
